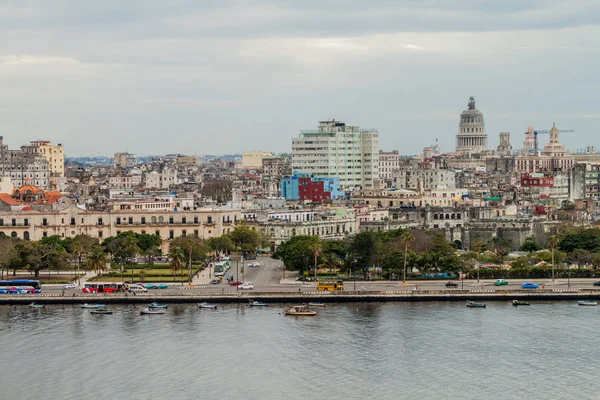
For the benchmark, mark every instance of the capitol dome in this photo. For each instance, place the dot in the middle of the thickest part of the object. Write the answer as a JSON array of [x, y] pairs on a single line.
[[471, 137]]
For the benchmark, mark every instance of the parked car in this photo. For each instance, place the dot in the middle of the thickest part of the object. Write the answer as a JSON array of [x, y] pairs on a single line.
[[248, 285], [597, 283], [254, 265], [215, 281], [156, 286], [451, 284], [530, 285], [70, 286], [134, 287], [236, 283], [500, 282]]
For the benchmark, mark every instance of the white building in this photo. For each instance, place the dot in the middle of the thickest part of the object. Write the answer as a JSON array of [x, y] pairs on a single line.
[[426, 178], [388, 162], [335, 149], [161, 180]]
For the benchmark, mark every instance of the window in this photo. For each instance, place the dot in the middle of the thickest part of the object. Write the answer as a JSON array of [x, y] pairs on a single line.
[[195, 220], [157, 233], [1, 222], [44, 234], [183, 220], [26, 222], [99, 221], [143, 220], [171, 235], [118, 233], [183, 233], [99, 234], [119, 221], [196, 232], [130, 220], [170, 220], [72, 221], [14, 222]]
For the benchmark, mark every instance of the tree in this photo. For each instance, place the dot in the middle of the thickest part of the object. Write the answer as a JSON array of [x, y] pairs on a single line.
[[79, 248], [406, 238], [177, 256], [530, 245], [552, 242], [8, 253], [296, 252], [366, 247], [317, 249], [97, 259], [220, 244], [194, 249], [478, 245], [123, 249], [245, 239]]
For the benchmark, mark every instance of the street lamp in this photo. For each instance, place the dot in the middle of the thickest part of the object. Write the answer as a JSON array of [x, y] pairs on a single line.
[[237, 274]]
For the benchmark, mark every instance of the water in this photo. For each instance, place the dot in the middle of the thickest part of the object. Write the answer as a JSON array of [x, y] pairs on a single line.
[[348, 351]]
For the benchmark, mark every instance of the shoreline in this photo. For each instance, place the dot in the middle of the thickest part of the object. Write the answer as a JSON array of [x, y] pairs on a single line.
[[279, 297]]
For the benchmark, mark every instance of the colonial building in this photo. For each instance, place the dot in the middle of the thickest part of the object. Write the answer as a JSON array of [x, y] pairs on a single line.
[[23, 166], [389, 161]]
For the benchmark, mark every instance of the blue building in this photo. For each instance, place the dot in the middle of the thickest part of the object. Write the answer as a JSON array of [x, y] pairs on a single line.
[[302, 186]]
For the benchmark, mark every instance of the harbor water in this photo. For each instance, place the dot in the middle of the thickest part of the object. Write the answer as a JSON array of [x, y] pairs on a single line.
[[348, 351]]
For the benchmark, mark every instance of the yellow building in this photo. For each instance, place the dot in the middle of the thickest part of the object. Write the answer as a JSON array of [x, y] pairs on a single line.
[[54, 154], [253, 159]]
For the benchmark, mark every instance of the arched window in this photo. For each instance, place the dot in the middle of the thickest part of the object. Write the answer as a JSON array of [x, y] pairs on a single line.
[[153, 219], [26, 235], [161, 220], [435, 216], [13, 234], [453, 216], [447, 216], [457, 216]]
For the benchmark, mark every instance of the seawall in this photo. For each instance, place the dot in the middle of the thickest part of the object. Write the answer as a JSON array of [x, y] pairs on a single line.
[[305, 297]]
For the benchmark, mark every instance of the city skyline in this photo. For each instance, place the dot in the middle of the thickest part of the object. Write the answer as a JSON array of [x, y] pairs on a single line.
[[170, 78]]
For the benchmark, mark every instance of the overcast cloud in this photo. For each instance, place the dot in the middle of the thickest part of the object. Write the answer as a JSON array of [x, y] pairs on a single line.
[[214, 77]]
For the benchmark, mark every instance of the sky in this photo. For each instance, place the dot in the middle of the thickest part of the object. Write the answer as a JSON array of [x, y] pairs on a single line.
[[222, 77]]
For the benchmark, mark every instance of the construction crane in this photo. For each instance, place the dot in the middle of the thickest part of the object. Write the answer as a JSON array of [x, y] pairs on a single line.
[[535, 135]]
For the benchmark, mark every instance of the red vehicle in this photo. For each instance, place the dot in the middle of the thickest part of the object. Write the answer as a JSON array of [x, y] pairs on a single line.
[[236, 283], [102, 287]]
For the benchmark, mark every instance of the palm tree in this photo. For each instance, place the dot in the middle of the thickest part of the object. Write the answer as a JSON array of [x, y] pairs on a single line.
[[177, 256], [406, 238], [478, 246], [97, 260], [553, 241], [317, 249]]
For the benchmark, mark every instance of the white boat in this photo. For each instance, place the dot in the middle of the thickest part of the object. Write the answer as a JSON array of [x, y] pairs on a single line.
[[35, 305], [92, 306], [300, 311], [101, 311], [150, 311], [207, 305], [157, 305], [316, 305], [254, 303], [587, 303]]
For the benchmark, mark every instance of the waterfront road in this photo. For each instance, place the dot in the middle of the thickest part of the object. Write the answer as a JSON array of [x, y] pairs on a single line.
[[269, 277]]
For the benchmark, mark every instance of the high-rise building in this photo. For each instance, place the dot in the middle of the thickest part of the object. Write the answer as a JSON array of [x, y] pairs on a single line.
[[335, 149], [23, 166], [471, 137], [54, 154]]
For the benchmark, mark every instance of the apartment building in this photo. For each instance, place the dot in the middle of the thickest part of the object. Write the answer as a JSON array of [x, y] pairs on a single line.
[[389, 161], [335, 149]]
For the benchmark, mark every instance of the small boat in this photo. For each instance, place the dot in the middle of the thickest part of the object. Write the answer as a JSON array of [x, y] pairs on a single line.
[[92, 306], [35, 305], [587, 303], [207, 305], [317, 305], [101, 311], [520, 303], [150, 311], [157, 305], [254, 303], [300, 311], [473, 304]]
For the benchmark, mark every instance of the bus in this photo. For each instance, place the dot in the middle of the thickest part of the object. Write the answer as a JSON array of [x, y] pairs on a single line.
[[330, 285], [103, 287], [221, 268], [20, 286]]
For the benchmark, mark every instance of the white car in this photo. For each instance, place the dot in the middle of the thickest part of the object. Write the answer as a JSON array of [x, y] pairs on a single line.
[[254, 265], [70, 286], [248, 285]]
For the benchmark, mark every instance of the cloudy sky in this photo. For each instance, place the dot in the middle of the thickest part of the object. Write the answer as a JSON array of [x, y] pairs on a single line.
[[214, 77]]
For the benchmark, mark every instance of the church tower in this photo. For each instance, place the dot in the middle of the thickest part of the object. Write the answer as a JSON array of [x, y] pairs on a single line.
[[471, 137]]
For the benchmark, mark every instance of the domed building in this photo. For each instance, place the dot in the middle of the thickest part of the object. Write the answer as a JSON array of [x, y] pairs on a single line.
[[471, 137]]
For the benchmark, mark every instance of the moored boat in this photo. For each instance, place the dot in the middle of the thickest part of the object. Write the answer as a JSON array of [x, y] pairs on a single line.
[[92, 306], [254, 303], [472, 304], [157, 305], [587, 303], [208, 305], [35, 305], [317, 305], [300, 311], [151, 311], [101, 311], [520, 303]]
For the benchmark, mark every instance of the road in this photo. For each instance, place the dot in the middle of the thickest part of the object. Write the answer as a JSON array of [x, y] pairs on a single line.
[[268, 278]]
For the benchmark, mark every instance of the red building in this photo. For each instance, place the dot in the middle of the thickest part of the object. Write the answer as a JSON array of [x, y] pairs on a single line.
[[312, 190], [532, 180]]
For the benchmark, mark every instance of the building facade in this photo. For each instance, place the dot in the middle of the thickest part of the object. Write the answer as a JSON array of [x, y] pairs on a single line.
[[389, 161], [253, 159], [124, 160], [335, 149]]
